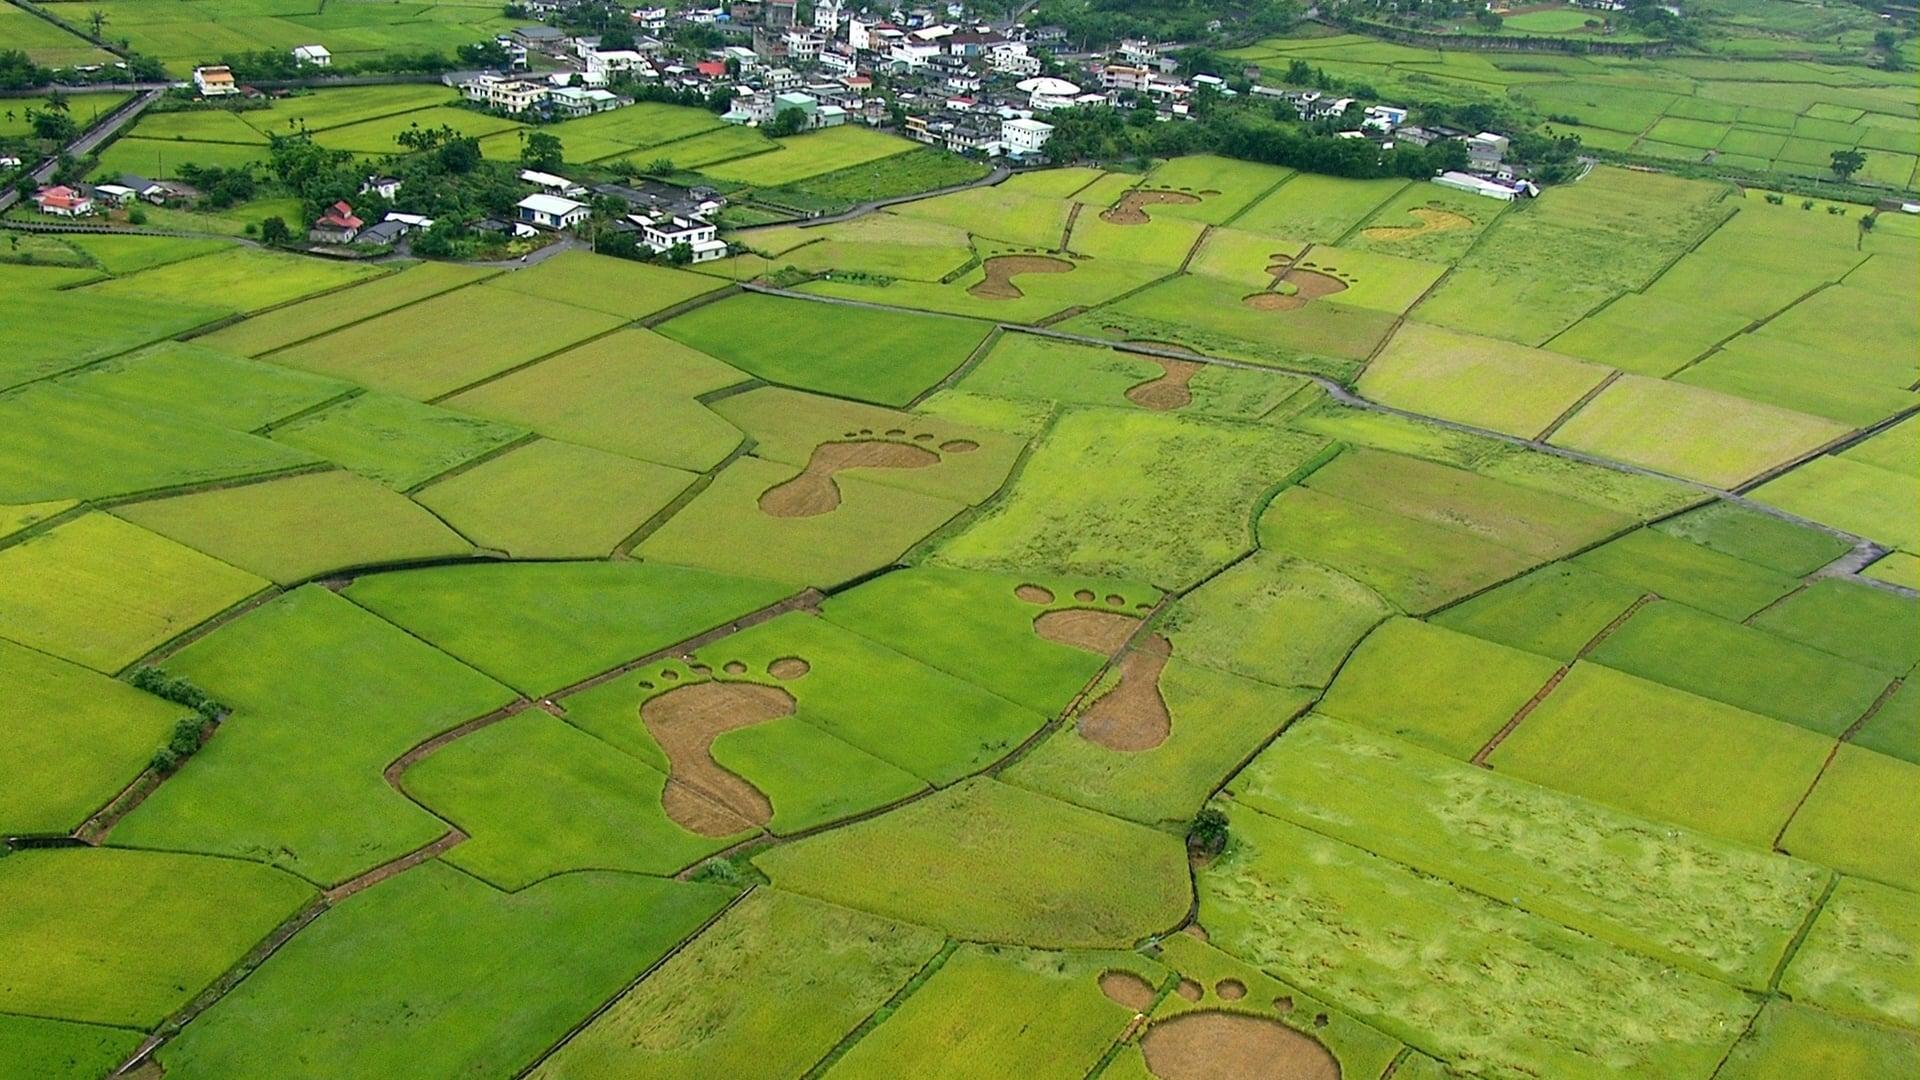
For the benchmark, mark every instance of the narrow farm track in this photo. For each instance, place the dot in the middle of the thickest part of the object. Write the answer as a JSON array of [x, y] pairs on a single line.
[[1345, 396]]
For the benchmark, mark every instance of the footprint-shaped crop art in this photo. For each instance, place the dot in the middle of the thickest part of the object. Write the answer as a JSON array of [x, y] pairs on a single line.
[[1169, 390], [1295, 285], [1131, 209], [1211, 1044], [1002, 269], [1132, 715], [703, 796], [1431, 219], [814, 492]]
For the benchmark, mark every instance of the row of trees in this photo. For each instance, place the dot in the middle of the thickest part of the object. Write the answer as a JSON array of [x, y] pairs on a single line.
[[1105, 133], [269, 65]]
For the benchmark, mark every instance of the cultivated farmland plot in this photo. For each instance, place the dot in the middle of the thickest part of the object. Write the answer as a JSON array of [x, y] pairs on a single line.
[[1206, 620]]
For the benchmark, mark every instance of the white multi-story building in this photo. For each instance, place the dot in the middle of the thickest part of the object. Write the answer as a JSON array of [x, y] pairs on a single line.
[[214, 81], [663, 232], [652, 18], [1122, 78], [508, 95], [313, 55], [826, 17], [1012, 58], [803, 46], [1021, 137], [603, 66]]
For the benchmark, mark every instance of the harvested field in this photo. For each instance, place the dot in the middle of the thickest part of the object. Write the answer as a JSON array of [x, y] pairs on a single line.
[[1307, 286], [1002, 269], [1131, 209], [685, 721], [1127, 988], [1431, 221], [1170, 390], [1103, 632], [814, 492], [1132, 716], [1234, 1046]]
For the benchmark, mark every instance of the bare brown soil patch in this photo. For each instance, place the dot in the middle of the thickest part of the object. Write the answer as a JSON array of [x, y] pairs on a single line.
[[1234, 1046], [959, 446], [1308, 286], [1034, 594], [1190, 990], [788, 667], [701, 795], [1230, 989], [814, 491], [1431, 220], [1195, 930], [1085, 596], [1170, 390], [1002, 269], [1283, 1004], [1103, 632], [1131, 209], [1132, 716], [734, 667], [1126, 988]]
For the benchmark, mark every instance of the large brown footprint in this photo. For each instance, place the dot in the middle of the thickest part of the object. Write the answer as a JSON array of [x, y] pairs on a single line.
[[1131, 209], [1132, 715], [701, 795], [1213, 1045], [1168, 390], [814, 492]]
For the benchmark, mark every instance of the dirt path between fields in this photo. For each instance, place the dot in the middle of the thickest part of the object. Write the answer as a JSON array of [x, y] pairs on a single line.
[[1553, 680]]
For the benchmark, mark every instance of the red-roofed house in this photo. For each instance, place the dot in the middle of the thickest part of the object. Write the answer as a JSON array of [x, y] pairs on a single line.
[[711, 69], [64, 201], [337, 226]]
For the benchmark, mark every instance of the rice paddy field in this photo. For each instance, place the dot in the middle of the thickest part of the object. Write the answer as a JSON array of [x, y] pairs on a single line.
[[1204, 621], [1772, 105]]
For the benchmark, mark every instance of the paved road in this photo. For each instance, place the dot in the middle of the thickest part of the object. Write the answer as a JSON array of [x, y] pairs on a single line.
[[88, 140]]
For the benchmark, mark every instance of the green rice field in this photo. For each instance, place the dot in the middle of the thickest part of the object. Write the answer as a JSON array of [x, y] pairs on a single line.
[[1138, 620]]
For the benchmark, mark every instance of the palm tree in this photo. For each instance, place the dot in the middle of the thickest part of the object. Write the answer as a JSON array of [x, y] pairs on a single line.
[[97, 19]]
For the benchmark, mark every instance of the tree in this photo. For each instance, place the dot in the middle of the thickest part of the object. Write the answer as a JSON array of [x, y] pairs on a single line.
[[661, 166], [96, 19], [543, 151], [1299, 73], [1847, 162], [18, 71], [1207, 836], [485, 54], [787, 121], [53, 126], [274, 230], [1489, 22], [679, 254]]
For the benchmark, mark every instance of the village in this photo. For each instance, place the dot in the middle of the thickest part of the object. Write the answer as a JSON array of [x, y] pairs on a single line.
[[936, 76]]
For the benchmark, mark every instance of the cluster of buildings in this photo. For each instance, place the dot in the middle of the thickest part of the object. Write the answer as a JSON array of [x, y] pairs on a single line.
[[1488, 171], [85, 200], [970, 87]]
